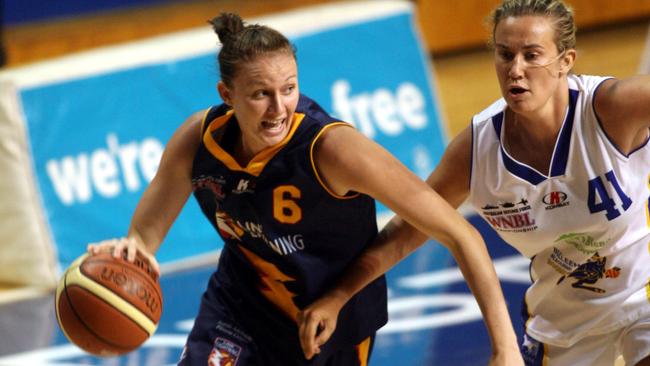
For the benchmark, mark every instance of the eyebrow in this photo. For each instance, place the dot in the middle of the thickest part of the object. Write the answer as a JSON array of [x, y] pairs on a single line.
[[256, 82], [527, 47]]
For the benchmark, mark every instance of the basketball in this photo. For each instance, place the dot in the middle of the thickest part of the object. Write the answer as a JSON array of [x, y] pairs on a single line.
[[108, 306]]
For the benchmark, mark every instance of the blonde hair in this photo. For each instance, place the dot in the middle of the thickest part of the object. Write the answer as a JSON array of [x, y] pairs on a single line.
[[560, 14]]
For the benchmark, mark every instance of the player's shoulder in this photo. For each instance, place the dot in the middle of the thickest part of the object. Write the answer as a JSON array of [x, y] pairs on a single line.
[[487, 114], [313, 112], [587, 85], [188, 135]]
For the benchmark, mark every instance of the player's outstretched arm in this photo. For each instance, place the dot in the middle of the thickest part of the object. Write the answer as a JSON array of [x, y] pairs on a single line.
[[163, 198], [350, 162]]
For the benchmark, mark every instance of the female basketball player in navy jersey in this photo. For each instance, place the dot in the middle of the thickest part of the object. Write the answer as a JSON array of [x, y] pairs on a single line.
[[560, 168], [289, 189]]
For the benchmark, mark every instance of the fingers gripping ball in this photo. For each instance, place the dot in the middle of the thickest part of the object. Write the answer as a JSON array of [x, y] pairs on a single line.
[[108, 306]]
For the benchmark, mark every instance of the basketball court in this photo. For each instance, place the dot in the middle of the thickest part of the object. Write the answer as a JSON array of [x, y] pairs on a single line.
[[434, 318]]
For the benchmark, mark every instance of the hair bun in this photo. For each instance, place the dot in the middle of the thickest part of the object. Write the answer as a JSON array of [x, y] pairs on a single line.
[[226, 26]]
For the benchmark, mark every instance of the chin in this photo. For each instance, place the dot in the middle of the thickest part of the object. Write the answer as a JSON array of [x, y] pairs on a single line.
[[274, 140], [519, 106]]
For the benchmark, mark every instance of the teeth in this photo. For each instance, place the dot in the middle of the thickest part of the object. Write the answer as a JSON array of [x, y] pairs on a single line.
[[272, 124]]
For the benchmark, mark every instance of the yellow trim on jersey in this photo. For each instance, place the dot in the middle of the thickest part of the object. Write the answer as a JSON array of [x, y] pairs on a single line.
[[545, 360], [205, 116], [74, 277], [259, 161], [363, 350], [313, 163]]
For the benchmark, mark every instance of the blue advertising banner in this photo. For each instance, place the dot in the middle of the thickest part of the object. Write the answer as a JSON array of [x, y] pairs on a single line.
[[96, 141]]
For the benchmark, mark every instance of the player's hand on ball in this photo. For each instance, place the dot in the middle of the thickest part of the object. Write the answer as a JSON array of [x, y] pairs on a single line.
[[317, 322], [129, 245]]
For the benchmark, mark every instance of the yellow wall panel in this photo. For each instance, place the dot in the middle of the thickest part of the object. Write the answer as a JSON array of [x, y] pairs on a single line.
[[449, 25]]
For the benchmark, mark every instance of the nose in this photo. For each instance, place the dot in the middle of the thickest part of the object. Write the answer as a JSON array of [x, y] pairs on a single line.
[[517, 67], [275, 103]]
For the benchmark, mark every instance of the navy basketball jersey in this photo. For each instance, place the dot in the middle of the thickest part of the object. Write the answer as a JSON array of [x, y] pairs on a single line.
[[287, 237]]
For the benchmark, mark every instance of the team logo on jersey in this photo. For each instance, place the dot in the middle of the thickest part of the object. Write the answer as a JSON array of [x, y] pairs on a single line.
[[228, 228], [224, 353], [244, 186], [510, 216], [590, 272], [215, 185], [555, 199], [583, 242]]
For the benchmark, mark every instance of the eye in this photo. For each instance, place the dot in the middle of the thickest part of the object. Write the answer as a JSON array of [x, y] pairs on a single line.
[[531, 56], [289, 89], [257, 94], [506, 55]]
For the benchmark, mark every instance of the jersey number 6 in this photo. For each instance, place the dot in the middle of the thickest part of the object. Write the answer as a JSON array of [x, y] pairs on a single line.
[[285, 208]]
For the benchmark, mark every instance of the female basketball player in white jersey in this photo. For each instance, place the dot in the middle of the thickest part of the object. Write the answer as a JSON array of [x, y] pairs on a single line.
[[560, 168]]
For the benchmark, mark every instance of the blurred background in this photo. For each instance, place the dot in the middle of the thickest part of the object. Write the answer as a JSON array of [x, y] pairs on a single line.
[[71, 118], [611, 37]]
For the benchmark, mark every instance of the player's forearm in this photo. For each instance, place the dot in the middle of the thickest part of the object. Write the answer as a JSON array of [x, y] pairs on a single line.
[[394, 242], [157, 210], [477, 268]]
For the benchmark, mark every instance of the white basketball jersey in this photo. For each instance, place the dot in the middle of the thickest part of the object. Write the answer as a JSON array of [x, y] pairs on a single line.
[[585, 225]]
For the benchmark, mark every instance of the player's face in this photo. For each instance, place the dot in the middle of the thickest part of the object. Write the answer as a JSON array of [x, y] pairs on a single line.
[[528, 65], [264, 96]]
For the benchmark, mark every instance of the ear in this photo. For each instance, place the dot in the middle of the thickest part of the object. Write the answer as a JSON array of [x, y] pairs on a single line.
[[567, 61], [224, 93]]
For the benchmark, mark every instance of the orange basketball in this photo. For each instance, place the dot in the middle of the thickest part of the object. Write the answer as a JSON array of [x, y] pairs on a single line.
[[108, 306]]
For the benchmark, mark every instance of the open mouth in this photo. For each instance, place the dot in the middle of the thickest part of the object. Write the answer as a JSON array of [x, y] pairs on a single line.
[[272, 124], [517, 90], [274, 127]]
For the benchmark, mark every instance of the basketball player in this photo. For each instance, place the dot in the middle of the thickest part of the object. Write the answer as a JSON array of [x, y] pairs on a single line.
[[289, 190], [560, 168]]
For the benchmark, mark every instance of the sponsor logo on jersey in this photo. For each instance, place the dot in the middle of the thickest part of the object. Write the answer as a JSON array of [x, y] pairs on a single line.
[[583, 242], [510, 216], [555, 200], [228, 228], [234, 229], [560, 263], [224, 353], [590, 272], [244, 186], [214, 184]]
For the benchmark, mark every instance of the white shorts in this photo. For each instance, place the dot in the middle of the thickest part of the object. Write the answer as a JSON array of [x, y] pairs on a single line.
[[632, 342]]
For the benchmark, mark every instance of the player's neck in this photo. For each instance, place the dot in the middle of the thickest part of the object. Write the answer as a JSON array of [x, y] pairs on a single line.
[[532, 140]]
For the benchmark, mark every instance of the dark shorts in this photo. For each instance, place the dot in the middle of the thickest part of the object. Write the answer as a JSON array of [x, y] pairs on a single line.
[[227, 333]]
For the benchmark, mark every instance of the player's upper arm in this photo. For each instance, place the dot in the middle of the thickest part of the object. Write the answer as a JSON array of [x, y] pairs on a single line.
[[178, 157], [167, 193], [451, 177], [623, 108], [348, 161]]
